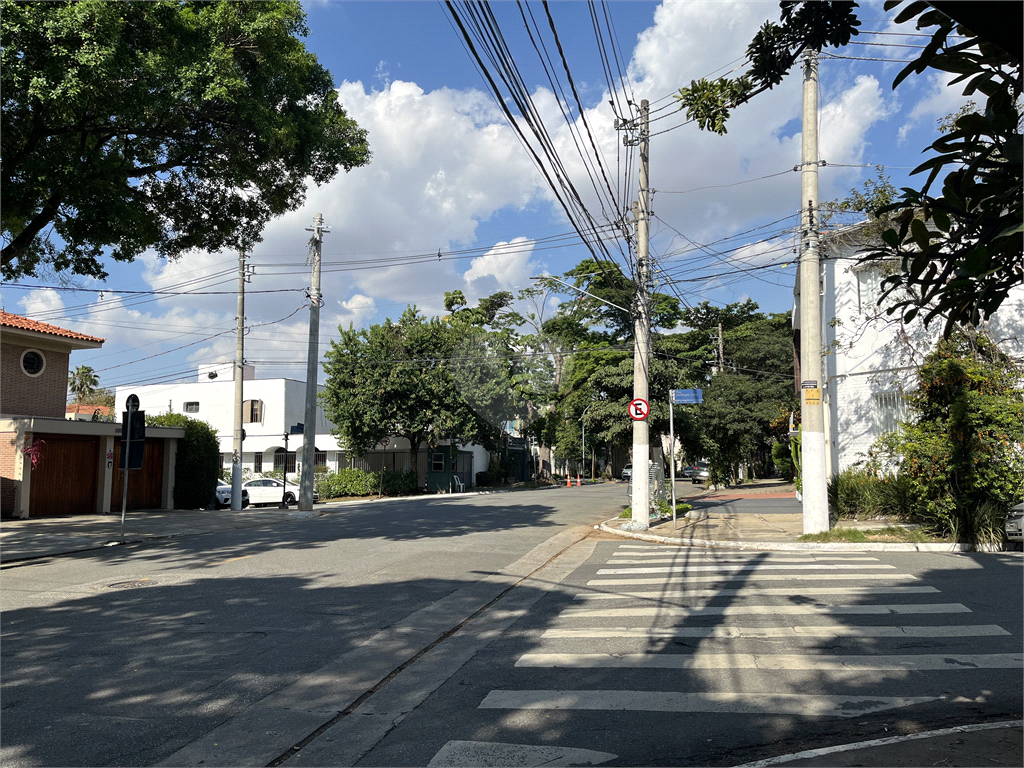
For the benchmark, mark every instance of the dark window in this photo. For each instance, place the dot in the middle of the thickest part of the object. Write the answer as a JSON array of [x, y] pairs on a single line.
[[320, 459], [437, 462], [257, 462], [33, 362], [279, 461], [252, 412], [192, 407]]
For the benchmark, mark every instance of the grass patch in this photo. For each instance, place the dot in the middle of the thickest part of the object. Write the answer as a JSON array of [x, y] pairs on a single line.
[[892, 533]]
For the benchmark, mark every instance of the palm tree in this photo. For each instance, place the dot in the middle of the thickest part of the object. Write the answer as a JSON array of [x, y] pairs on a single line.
[[82, 382]]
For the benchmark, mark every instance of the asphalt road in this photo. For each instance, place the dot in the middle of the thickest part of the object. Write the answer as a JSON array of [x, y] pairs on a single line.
[[493, 630], [124, 656]]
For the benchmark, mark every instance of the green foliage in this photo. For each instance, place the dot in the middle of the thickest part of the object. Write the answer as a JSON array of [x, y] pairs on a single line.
[[860, 492], [423, 379], [197, 465], [189, 125], [783, 460], [82, 382], [962, 271], [962, 450], [359, 482]]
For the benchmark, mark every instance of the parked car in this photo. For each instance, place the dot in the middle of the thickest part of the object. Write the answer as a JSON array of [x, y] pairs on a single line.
[[687, 471], [1014, 523], [627, 472], [701, 473], [224, 496], [269, 490]]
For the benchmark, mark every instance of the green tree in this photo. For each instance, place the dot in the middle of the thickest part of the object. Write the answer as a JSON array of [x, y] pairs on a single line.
[[197, 464], [189, 125], [82, 382], [963, 269], [961, 449], [398, 379]]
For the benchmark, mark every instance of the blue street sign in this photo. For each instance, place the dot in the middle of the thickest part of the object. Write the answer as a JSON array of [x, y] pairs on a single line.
[[687, 396]]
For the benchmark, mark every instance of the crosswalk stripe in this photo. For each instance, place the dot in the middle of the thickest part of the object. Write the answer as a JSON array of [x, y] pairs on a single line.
[[703, 568], [841, 630], [927, 662], [744, 591], [756, 577], [722, 558], [736, 610], [676, 701], [778, 561]]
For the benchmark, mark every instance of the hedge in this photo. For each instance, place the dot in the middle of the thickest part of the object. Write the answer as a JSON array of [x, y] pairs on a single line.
[[197, 464], [359, 482]]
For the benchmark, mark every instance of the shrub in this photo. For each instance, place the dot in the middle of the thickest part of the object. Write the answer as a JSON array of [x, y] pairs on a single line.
[[783, 460], [359, 482], [852, 493], [197, 464]]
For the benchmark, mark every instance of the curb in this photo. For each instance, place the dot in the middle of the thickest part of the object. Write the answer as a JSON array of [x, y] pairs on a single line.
[[796, 546]]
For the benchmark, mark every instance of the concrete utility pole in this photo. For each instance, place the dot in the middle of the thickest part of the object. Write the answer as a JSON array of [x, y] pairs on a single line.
[[642, 335], [236, 449], [312, 363], [812, 458]]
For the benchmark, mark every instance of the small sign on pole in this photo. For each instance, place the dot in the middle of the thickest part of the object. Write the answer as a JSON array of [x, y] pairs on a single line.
[[686, 396], [639, 409]]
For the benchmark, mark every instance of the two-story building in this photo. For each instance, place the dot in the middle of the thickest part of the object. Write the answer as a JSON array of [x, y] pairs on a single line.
[[273, 411], [50, 465], [871, 358]]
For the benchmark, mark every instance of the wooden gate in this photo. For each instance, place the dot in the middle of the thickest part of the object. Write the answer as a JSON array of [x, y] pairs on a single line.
[[65, 480], [145, 486]]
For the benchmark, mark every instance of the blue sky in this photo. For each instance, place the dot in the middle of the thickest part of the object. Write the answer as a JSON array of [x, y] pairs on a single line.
[[448, 174]]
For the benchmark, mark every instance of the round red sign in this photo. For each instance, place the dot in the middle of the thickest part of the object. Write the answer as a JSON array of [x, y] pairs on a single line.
[[639, 409]]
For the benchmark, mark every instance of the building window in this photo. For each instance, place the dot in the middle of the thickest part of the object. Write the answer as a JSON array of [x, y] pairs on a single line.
[[257, 462], [319, 458], [437, 462], [869, 284], [890, 409], [252, 412], [280, 461], [192, 406], [32, 362]]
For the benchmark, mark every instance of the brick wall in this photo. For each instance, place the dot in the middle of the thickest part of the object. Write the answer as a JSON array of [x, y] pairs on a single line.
[[8, 457], [24, 395]]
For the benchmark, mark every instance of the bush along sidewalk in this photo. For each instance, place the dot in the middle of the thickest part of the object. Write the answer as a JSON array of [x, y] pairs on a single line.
[[359, 482]]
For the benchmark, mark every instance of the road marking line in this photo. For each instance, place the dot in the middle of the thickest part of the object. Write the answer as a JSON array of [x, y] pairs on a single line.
[[692, 568], [744, 591], [233, 559], [840, 630], [727, 557], [736, 610], [677, 701], [809, 753], [485, 754], [757, 577], [926, 662]]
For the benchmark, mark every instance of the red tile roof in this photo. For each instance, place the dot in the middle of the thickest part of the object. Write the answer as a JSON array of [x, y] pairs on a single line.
[[17, 321], [86, 408]]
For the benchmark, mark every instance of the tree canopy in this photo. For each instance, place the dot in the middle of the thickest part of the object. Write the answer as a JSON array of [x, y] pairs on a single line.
[[962, 268], [167, 125]]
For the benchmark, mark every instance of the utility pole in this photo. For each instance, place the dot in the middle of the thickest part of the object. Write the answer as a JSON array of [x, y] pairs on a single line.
[[642, 335], [312, 362], [721, 349], [812, 459], [236, 449]]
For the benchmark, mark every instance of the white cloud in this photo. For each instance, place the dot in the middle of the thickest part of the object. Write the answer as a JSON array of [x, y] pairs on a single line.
[[940, 99], [40, 301], [507, 264]]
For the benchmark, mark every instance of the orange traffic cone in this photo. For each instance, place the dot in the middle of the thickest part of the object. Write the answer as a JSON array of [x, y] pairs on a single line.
[[578, 480], [568, 481]]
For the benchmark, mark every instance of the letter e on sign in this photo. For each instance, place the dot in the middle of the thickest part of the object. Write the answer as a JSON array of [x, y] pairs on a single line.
[[638, 409]]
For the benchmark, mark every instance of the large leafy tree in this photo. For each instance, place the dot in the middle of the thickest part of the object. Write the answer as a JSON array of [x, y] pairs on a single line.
[[399, 379], [82, 383], [166, 125], [962, 268]]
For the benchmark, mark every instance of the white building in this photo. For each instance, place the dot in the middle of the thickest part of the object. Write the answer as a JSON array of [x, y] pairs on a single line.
[[871, 358], [271, 409]]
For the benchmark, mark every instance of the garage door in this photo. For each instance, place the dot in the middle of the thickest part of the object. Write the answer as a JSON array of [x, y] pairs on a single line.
[[145, 486], [64, 481]]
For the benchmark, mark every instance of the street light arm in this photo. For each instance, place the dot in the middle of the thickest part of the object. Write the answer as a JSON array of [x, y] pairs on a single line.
[[588, 293]]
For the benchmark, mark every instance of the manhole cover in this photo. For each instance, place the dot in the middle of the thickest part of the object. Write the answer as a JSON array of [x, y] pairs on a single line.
[[132, 584]]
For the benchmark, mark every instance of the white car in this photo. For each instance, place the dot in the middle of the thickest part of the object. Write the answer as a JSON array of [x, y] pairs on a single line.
[[224, 496], [1015, 526], [268, 490]]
